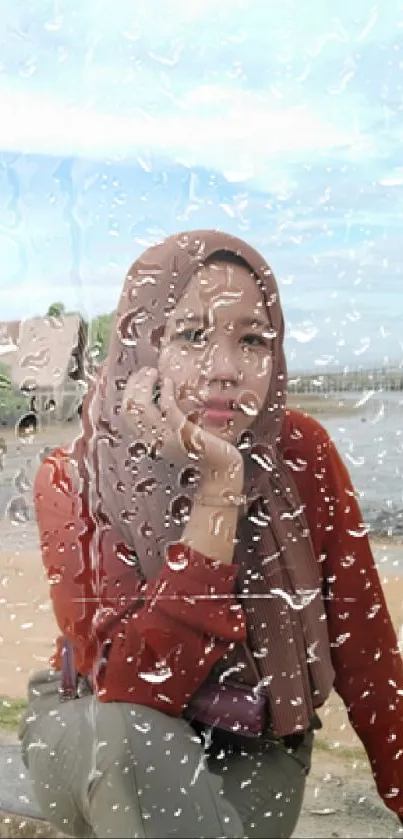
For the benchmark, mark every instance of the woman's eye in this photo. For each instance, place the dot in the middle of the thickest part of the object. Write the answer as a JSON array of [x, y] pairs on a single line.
[[197, 337], [254, 340]]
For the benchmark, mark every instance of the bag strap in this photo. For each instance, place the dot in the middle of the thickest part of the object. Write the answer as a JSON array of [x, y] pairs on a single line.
[[252, 662], [69, 686]]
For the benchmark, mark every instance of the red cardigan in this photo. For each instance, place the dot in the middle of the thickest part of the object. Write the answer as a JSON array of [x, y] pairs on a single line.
[[163, 638]]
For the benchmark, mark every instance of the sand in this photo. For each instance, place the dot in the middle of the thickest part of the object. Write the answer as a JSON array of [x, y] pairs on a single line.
[[320, 405]]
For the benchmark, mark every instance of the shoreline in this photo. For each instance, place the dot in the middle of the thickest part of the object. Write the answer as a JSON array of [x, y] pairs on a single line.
[[323, 405]]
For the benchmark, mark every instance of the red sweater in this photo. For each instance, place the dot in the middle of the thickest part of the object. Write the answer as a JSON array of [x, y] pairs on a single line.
[[162, 638]]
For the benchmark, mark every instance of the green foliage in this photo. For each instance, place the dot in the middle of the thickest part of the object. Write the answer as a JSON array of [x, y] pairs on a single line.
[[12, 403], [56, 309], [11, 711], [5, 381], [99, 334]]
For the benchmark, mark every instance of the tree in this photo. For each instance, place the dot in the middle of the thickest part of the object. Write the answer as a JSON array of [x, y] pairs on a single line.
[[100, 332], [56, 310], [12, 402]]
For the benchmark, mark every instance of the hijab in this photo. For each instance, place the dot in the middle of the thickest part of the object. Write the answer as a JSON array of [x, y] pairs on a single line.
[[148, 500]]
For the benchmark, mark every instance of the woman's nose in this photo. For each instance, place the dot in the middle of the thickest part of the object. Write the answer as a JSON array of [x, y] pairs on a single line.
[[223, 364]]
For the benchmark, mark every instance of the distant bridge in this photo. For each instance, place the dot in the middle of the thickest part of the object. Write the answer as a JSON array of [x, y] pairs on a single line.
[[381, 379]]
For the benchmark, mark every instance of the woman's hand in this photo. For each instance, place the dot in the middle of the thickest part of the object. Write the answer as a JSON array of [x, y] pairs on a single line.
[[167, 431]]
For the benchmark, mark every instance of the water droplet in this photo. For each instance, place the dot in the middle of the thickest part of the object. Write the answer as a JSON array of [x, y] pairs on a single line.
[[304, 334], [216, 523], [245, 441], [261, 455], [249, 404], [356, 461], [17, 510], [156, 336], [147, 486], [120, 381], [158, 676], [21, 482], [179, 563], [94, 351], [189, 477], [128, 516], [183, 241], [50, 406], [35, 361], [140, 315], [180, 509], [146, 530], [28, 69], [137, 450], [126, 330], [142, 279], [169, 309], [258, 514], [297, 465], [144, 727]]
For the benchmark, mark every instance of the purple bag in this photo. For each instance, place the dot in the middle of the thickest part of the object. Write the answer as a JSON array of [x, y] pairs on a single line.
[[230, 706]]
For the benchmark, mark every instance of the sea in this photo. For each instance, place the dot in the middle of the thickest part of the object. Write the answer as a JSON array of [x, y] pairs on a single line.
[[367, 429], [368, 432]]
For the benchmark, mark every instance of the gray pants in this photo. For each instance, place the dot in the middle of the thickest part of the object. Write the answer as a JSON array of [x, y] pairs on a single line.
[[121, 770]]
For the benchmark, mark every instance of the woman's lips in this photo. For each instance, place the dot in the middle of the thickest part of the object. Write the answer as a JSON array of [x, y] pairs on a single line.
[[219, 412], [217, 416]]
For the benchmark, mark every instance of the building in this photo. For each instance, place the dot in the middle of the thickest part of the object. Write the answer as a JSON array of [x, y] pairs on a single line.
[[9, 332], [45, 358]]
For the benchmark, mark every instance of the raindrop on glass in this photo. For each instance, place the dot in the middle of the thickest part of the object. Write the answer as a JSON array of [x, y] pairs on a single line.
[[17, 510], [146, 487], [21, 481], [146, 530], [180, 509], [137, 450], [189, 477]]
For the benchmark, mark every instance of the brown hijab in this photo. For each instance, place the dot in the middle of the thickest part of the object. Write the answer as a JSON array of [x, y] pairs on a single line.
[[148, 500]]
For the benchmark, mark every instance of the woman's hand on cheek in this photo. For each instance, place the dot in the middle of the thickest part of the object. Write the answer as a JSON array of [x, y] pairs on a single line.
[[219, 462], [168, 433]]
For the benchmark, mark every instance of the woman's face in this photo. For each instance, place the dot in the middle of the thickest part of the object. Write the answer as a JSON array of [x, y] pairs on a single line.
[[217, 349]]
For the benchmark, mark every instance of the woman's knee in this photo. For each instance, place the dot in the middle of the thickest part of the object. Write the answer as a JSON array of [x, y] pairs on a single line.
[[125, 734], [149, 777]]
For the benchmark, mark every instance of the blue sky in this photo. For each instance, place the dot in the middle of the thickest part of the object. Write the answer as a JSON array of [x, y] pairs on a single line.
[[121, 122]]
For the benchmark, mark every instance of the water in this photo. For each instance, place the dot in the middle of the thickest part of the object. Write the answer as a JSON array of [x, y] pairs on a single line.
[[370, 441], [369, 438]]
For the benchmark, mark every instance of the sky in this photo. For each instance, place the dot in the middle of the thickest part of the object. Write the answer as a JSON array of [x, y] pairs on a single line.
[[282, 123]]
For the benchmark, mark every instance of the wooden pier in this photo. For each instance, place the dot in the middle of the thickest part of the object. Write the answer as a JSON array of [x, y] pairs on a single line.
[[355, 381]]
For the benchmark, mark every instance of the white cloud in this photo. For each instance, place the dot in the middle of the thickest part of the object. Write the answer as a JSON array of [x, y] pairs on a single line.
[[394, 178], [243, 133], [299, 100]]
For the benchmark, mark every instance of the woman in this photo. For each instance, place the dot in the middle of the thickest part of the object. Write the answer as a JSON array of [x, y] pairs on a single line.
[[210, 571]]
